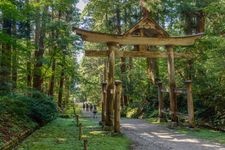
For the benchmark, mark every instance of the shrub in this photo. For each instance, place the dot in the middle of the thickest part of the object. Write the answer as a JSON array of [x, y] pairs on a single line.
[[42, 110], [36, 107], [20, 112]]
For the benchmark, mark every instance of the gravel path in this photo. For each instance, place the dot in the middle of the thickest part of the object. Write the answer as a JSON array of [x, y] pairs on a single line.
[[147, 136]]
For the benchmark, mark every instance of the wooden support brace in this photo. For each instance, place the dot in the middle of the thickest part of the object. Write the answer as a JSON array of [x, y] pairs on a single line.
[[117, 106]]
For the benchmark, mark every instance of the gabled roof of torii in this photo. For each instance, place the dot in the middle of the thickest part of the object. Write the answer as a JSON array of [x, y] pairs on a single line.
[[145, 32], [149, 28]]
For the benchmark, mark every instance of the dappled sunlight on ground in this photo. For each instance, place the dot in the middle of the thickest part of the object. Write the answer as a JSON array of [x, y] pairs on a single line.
[[155, 137]]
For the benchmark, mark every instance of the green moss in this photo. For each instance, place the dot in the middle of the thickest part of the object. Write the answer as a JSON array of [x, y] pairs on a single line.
[[155, 120], [132, 112], [62, 134], [207, 134], [102, 140]]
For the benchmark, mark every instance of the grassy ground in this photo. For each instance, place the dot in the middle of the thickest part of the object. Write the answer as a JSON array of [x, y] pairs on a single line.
[[199, 133], [207, 134], [61, 134]]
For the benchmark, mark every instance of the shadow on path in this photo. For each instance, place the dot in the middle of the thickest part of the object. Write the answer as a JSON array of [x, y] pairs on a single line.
[[147, 136], [156, 137]]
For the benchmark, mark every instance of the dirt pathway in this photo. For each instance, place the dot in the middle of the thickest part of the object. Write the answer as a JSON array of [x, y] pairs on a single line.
[[147, 136]]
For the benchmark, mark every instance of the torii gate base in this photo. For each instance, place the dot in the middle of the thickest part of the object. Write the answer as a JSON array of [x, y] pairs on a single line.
[[116, 107], [190, 106]]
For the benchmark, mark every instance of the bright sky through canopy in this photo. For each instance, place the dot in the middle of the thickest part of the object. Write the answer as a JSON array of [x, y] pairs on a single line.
[[81, 4]]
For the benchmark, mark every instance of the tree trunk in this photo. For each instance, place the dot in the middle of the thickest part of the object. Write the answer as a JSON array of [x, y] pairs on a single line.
[[118, 20], [5, 64], [200, 22], [52, 80], [29, 70], [53, 67], [188, 23], [60, 94], [29, 65], [39, 52], [145, 12], [67, 92], [152, 70], [14, 59]]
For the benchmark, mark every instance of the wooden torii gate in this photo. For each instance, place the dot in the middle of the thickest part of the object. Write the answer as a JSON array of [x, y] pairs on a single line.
[[144, 34]]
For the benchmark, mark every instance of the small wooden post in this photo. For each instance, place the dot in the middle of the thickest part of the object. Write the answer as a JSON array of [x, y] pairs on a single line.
[[77, 120], [190, 104], [80, 131], [160, 99], [74, 110], [104, 84], [172, 84], [110, 88], [85, 144], [117, 106]]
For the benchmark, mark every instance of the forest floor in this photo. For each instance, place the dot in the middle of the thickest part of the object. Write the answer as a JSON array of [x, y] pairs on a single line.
[[146, 136]]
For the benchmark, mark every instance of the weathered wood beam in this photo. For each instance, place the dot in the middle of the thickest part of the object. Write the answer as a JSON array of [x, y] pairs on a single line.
[[130, 40], [190, 103], [117, 106], [110, 87], [105, 53], [172, 83]]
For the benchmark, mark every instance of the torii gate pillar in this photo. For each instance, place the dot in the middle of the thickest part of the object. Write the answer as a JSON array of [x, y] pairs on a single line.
[[110, 87], [172, 84]]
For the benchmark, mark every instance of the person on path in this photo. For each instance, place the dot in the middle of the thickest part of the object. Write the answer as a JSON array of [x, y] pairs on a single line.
[[83, 106], [95, 112], [91, 107], [87, 107]]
